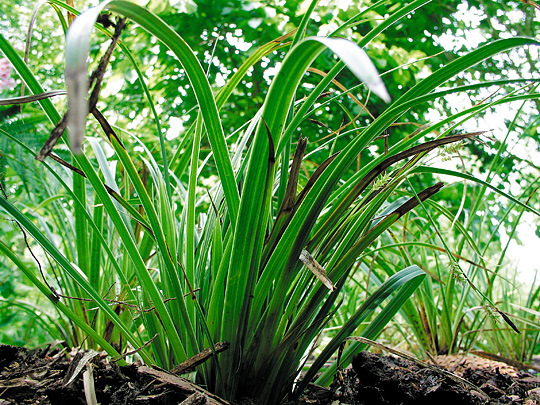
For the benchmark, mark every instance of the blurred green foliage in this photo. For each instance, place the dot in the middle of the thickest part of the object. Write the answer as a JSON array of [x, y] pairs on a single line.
[[226, 32]]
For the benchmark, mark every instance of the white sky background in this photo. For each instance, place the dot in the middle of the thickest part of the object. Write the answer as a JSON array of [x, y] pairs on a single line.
[[524, 245], [523, 255]]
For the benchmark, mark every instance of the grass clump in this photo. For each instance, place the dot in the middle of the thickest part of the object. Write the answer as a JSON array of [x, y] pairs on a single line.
[[264, 267]]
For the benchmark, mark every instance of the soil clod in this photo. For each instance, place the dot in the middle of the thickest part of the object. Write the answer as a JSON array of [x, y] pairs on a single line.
[[39, 377]]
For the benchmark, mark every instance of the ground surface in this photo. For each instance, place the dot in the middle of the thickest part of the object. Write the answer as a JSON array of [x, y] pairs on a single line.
[[52, 377]]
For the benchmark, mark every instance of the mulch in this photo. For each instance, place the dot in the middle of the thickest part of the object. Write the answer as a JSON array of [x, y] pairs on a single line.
[[50, 376]]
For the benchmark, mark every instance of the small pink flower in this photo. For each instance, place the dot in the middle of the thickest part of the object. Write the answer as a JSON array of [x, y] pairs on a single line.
[[5, 67], [6, 82]]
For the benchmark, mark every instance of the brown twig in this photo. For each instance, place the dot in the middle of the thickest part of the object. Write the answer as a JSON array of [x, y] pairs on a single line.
[[97, 78], [123, 356], [183, 384], [200, 358], [153, 308]]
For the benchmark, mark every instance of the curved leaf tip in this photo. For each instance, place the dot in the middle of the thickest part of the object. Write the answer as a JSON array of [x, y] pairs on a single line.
[[358, 62], [77, 50]]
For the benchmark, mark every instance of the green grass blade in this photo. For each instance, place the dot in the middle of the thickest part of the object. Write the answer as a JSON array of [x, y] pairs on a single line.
[[81, 323], [454, 173], [68, 267], [408, 279], [77, 53]]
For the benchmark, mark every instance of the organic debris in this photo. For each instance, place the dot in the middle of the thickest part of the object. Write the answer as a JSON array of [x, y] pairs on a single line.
[[48, 376], [392, 380], [51, 377]]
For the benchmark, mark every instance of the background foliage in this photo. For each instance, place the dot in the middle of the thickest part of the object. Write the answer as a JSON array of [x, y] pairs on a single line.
[[467, 225]]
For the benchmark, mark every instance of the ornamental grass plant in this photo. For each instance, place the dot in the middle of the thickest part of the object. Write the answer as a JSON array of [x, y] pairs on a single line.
[[138, 259], [471, 276]]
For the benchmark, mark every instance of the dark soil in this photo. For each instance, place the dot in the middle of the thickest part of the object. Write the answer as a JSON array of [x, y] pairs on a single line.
[[389, 380], [52, 377]]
